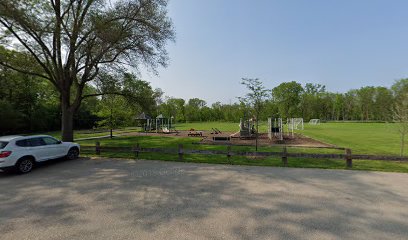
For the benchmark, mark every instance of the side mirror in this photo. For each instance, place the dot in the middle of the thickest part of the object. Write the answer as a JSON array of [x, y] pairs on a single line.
[[59, 142]]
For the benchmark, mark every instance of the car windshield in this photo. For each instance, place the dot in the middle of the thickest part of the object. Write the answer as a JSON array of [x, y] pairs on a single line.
[[3, 144]]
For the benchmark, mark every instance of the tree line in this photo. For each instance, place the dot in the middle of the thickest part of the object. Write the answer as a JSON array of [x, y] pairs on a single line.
[[31, 104], [291, 99]]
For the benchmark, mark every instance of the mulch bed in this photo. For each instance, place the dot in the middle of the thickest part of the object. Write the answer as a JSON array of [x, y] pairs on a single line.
[[263, 140]]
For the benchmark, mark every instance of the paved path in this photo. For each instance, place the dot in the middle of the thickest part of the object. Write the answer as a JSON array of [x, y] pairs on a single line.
[[121, 199]]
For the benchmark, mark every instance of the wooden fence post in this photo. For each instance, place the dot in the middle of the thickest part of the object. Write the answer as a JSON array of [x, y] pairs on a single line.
[[349, 160], [285, 157], [180, 152], [229, 154], [98, 148], [137, 150]]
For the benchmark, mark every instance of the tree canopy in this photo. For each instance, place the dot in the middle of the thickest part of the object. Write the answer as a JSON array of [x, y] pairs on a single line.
[[71, 42]]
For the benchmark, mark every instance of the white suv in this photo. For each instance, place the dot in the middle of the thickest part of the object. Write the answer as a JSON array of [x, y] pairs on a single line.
[[21, 153]]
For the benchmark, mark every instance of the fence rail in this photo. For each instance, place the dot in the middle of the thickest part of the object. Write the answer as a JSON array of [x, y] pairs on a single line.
[[180, 151]]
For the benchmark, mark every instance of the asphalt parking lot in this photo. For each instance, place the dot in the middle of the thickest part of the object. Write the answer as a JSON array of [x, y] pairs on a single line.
[[126, 199]]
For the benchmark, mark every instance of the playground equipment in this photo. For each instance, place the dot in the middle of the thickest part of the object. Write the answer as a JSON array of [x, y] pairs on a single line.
[[222, 138], [165, 130], [247, 128], [275, 128], [194, 133], [145, 122], [215, 131], [314, 122], [294, 124], [160, 123], [163, 123]]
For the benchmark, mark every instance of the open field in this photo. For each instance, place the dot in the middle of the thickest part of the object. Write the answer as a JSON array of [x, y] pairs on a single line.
[[362, 138], [126, 199], [188, 143]]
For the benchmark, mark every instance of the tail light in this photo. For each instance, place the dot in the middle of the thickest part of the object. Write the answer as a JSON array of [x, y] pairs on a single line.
[[5, 154]]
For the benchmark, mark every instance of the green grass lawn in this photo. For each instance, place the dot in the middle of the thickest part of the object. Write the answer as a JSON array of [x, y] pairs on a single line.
[[362, 138], [78, 134], [188, 143]]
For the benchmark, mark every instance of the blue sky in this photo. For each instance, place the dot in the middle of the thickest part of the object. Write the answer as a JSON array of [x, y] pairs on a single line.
[[342, 44]]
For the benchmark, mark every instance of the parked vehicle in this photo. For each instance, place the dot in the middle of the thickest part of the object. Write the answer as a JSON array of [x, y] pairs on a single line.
[[21, 153]]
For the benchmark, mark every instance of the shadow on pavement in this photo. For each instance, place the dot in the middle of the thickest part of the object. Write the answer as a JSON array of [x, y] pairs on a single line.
[[85, 196]]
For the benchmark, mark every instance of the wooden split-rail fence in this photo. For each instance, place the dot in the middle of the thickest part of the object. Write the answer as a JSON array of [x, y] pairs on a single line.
[[284, 154]]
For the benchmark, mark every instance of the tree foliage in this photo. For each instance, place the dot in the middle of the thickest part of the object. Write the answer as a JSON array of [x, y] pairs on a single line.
[[255, 99], [256, 96], [287, 96], [400, 89], [71, 41], [401, 118], [126, 96]]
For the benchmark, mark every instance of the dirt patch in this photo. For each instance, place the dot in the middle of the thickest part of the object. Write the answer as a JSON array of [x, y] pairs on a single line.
[[263, 140]]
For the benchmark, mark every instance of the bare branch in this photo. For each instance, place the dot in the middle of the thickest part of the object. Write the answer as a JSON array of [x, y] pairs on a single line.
[[25, 71], [105, 93]]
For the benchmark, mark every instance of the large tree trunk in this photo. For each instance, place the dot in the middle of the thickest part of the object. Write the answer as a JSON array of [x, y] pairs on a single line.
[[402, 144], [67, 119], [67, 125]]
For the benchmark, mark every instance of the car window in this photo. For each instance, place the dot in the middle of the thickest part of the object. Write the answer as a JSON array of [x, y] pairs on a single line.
[[35, 142], [23, 143], [50, 141], [3, 144]]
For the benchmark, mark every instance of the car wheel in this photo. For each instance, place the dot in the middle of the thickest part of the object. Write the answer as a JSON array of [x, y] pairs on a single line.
[[25, 165], [73, 153]]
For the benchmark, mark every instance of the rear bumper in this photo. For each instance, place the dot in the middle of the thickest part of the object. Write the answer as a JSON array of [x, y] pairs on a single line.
[[7, 169], [6, 164]]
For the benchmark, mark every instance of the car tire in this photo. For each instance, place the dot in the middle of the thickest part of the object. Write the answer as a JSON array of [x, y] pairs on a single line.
[[24, 165], [73, 153]]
